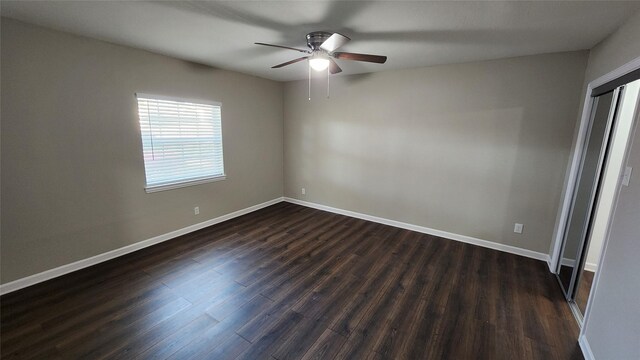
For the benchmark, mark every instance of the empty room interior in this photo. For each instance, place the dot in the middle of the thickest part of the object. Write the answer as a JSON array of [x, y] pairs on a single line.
[[320, 180]]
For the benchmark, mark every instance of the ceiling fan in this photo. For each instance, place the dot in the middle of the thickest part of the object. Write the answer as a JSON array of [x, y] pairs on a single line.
[[323, 46]]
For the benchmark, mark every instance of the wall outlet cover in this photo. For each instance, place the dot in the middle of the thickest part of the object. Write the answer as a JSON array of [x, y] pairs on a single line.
[[517, 228]]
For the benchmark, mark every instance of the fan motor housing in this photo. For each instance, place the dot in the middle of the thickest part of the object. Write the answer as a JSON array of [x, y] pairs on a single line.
[[316, 38]]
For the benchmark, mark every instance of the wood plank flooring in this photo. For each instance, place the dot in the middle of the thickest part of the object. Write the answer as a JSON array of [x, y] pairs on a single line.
[[584, 289], [289, 282]]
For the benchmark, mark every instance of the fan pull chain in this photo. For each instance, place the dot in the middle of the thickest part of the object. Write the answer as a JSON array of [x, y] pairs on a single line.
[[309, 82], [328, 82]]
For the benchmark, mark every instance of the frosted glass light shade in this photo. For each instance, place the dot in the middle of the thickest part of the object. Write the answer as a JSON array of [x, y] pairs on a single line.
[[318, 63]]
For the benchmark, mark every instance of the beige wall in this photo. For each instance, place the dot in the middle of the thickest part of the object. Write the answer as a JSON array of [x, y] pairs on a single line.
[[612, 326], [72, 169], [616, 50], [469, 149]]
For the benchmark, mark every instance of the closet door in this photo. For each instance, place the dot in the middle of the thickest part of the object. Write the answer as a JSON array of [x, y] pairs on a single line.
[[586, 189]]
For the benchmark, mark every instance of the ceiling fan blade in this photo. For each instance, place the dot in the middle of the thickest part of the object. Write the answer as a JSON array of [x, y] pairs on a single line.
[[379, 59], [289, 62], [284, 47], [334, 42], [333, 67]]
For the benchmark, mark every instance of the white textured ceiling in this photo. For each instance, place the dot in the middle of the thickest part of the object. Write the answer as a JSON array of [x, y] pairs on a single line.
[[411, 34]]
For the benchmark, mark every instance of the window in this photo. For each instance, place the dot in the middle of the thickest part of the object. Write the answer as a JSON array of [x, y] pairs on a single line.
[[181, 141]]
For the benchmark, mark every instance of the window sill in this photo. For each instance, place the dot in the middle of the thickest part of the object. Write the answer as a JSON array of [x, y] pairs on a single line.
[[156, 188]]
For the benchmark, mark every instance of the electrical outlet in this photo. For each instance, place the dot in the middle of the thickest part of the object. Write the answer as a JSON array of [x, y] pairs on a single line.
[[196, 210], [304, 191], [518, 228]]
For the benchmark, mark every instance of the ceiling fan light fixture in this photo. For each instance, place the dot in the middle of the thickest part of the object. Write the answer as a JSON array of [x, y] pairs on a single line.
[[322, 46], [318, 62]]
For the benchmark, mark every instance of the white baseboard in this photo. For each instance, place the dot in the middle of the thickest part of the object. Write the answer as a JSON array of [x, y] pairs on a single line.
[[444, 234], [568, 262], [586, 349], [587, 266], [81, 264], [593, 267]]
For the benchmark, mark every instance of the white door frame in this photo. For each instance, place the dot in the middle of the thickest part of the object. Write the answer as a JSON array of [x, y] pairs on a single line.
[[576, 153], [582, 340]]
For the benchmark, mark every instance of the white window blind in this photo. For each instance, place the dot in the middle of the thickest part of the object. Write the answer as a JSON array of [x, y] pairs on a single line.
[[181, 141]]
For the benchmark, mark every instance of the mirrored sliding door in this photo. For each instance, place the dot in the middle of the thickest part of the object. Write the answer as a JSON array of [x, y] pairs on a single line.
[[586, 190]]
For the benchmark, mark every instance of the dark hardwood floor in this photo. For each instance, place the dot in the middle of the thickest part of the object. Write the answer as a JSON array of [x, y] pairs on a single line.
[[289, 282], [584, 288]]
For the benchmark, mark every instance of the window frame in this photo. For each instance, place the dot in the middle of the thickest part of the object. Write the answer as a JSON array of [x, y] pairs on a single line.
[[186, 182]]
